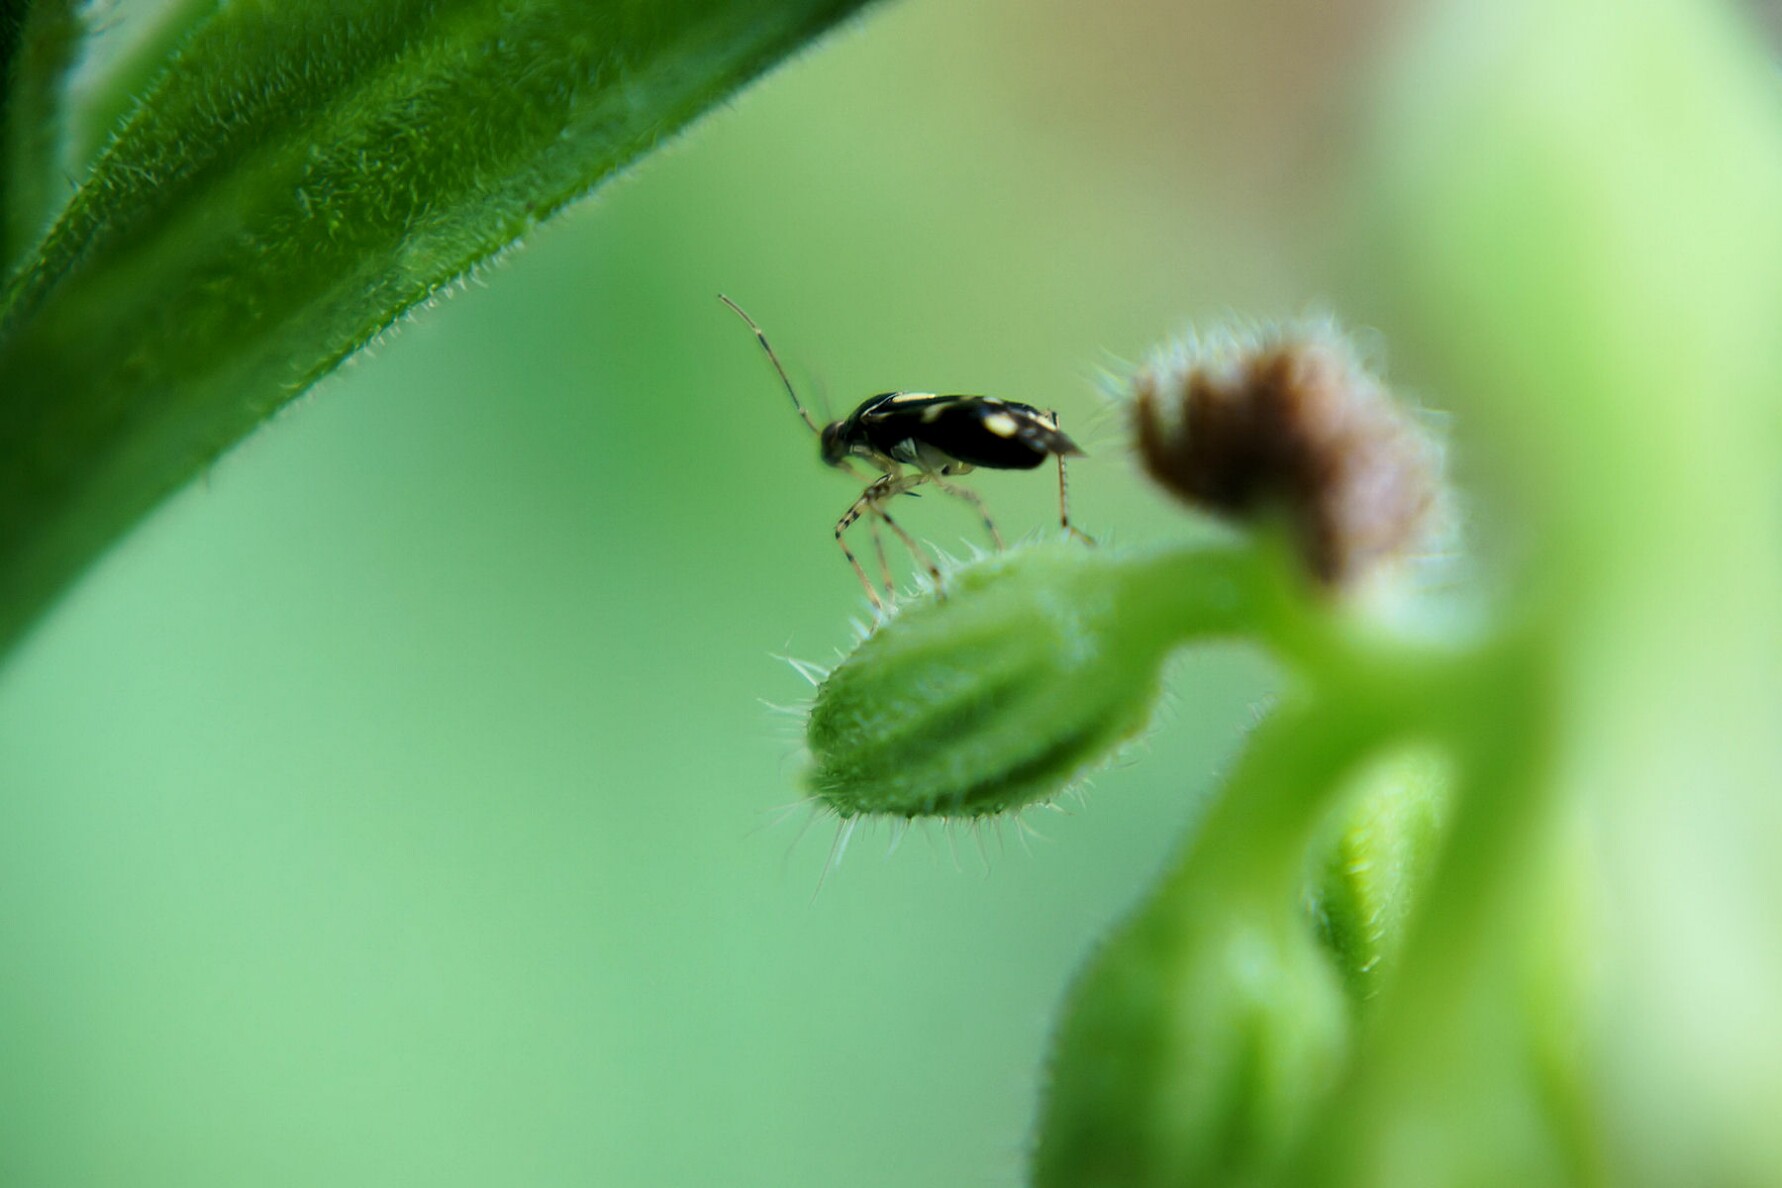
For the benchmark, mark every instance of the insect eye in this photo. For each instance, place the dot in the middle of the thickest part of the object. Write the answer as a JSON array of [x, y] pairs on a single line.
[[834, 449]]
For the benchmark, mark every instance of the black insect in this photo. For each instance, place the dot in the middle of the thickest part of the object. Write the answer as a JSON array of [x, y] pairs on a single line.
[[939, 437]]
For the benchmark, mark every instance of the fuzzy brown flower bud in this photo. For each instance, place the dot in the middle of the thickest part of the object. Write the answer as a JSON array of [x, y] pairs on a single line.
[[1291, 424]]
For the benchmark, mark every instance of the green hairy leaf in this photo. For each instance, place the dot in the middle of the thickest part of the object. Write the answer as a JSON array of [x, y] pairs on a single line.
[[37, 45], [298, 177]]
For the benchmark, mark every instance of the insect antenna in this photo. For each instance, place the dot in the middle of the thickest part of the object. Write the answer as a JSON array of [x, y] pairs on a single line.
[[775, 360]]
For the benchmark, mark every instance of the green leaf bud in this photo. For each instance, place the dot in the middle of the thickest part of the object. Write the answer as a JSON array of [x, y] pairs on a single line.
[[1032, 669], [1198, 1046], [1202, 1043], [1368, 882]]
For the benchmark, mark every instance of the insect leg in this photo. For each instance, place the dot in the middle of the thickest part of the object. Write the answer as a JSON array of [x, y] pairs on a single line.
[[1064, 507], [878, 541], [977, 501], [878, 545], [863, 504], [909, 541], [879, 494]]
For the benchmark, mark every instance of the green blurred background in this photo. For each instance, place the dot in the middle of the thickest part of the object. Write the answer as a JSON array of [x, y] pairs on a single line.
[[398, 805]]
